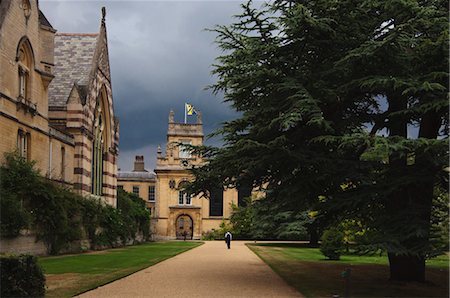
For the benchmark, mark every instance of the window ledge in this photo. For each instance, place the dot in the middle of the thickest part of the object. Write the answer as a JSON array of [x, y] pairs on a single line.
[[26, 105]]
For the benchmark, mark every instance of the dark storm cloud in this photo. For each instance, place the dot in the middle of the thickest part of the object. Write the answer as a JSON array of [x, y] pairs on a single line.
[[160, 57]]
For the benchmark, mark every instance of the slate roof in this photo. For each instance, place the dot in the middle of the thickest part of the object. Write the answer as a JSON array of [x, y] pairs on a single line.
[[43, 20], [136, 175], [74, 55]]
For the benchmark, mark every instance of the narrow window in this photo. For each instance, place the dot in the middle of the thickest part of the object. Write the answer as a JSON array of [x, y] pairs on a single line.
[[23, 144], [136, 190], [151, 193], [63, 163], [181, 198], [97, 153], [24, 72], [188, 199], [22, 82]]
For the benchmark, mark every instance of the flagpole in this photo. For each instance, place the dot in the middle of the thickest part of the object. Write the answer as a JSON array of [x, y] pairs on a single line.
[[185, 117]]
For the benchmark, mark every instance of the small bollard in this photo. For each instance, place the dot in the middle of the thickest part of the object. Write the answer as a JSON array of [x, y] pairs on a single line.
[[335, 296], [346, 276]]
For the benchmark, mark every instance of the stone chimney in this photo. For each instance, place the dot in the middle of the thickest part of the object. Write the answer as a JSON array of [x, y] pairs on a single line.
[[139, 164]]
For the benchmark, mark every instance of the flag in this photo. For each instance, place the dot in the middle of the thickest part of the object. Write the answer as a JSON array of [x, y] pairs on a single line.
[[190, 110]]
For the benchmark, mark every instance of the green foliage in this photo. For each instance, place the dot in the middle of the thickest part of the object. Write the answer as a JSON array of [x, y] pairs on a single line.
[[332, 244], [59, 216], [21, 276], [328, 93], [439, 232], [134, 212], [263, 219], [242, 220], [13, 217], [217, 234]]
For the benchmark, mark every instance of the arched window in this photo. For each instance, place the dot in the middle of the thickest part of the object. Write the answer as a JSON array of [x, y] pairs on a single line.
[[25, 63], [97, 152]]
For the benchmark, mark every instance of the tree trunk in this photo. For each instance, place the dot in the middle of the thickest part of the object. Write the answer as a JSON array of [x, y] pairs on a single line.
[[420, 194], [313, 236], [406, 267]]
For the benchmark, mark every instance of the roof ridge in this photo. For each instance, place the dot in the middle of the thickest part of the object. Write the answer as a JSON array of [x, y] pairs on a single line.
[[77, 34]]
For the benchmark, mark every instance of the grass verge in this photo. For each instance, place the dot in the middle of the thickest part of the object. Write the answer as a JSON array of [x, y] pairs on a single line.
[[307, 270], [74, 274]]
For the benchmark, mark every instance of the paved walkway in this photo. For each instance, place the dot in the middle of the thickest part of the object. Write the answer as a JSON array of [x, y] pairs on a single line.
[[210, 270]]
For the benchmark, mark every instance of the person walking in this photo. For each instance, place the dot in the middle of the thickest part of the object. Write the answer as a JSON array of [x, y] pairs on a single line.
[[228, 238]]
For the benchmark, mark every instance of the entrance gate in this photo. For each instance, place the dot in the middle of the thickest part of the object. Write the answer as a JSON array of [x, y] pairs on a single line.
[[184, 227]]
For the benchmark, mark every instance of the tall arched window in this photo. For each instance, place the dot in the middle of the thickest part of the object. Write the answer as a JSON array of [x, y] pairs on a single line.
[[97, 152], [101, 141], [25, 62]]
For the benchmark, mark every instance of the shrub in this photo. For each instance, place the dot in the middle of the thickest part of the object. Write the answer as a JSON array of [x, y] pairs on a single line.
[[332, 243], [21, 276], [210, 235], [219, 233], [13, 217], [58, 215]]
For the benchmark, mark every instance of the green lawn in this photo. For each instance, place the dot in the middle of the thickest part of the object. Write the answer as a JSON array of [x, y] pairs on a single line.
[[311, 274], [302, 253], [73, 274]]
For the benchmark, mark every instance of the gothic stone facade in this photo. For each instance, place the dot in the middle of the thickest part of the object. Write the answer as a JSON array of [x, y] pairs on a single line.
[[56, 102]]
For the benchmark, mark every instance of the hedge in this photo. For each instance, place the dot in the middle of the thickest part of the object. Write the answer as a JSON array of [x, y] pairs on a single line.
[[58, 216], [21, 276]]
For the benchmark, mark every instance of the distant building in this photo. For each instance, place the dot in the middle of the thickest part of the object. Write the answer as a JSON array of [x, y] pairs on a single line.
[[56, 104], [176, 212], [139, 181]]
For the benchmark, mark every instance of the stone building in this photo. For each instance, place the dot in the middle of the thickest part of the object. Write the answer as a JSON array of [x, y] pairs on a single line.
[[140, 182], [177, 213], [56, 102]]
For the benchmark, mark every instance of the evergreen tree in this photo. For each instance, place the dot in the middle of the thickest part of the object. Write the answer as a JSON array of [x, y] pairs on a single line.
[[327, 91]]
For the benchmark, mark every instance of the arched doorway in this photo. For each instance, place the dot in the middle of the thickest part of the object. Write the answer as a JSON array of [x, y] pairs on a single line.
[[184, 227]]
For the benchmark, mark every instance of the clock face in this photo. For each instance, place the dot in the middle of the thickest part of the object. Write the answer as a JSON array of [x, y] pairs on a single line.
[[185, 163]]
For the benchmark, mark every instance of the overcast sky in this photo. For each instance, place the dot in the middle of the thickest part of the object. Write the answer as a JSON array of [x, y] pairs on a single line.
[[160, 58]]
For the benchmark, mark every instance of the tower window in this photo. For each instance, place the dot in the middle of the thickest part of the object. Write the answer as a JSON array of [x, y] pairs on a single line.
[[184, 198], [184, 152]]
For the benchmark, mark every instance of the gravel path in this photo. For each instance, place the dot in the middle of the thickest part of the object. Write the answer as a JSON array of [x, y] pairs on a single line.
[[210, 270]]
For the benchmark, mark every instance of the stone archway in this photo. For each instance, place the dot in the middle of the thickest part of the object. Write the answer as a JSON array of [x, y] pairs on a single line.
[[184, 227]]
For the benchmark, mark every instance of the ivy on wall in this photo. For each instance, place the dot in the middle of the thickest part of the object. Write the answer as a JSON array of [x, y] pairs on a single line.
[[59, 216]]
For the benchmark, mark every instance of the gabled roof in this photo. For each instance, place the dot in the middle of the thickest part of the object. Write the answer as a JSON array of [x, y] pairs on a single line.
[[74, 59], [43, 20]]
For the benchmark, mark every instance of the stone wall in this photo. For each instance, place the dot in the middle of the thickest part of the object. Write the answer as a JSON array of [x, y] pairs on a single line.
[[26, 243]]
